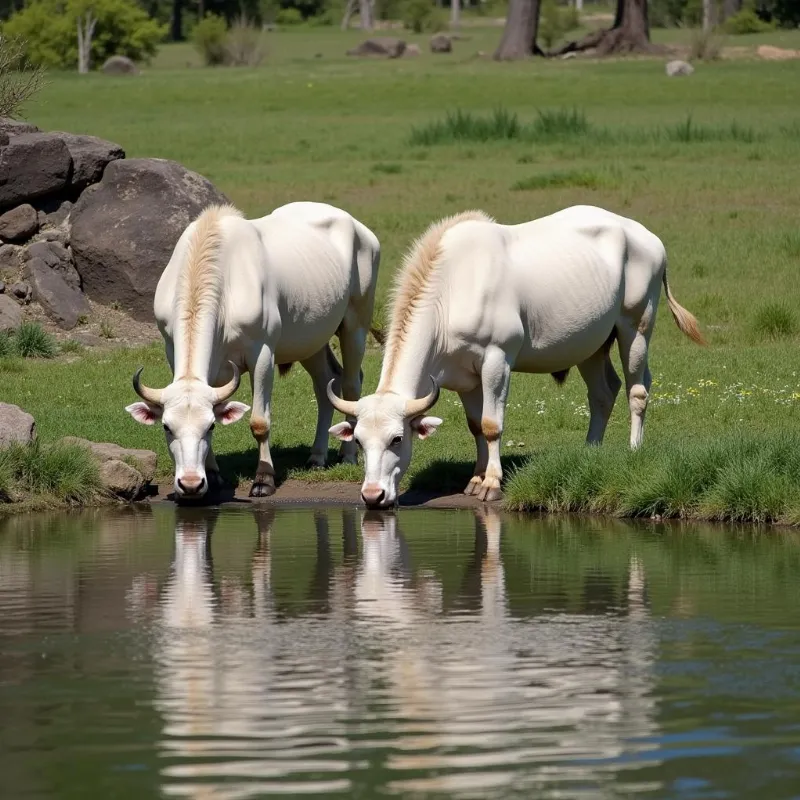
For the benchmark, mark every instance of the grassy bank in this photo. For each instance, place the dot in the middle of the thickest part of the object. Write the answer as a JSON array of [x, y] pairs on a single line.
[[708, 162]]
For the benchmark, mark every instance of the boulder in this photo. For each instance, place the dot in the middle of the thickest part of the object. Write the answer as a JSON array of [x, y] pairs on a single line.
[[124, 229], [63, 304], [16, 425], [441, 43], [33, 165], [385, 46], [56, 256], [56, 216], [13, 127], [22, 291], [90, 155], [10, 314], [60, 235], [120, 65], [143, 460], [19, 224], [411, 51], [677, 68], [10, 257], [121, 480]]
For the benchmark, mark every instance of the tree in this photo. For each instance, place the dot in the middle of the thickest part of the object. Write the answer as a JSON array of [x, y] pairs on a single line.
[[18, 80], [455, 13], [519, 33], [630, 33], [86, 23]]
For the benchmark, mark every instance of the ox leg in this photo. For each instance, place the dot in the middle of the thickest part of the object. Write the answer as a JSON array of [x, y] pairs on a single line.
[[633, 343], [495, 378], [603, 385], [473, 408], [321, 371], [353, 339], [262, 373]]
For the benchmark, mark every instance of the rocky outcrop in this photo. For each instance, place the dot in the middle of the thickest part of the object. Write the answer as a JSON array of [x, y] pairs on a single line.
[[19, 224], [90, 156], [16, 426], [124, 229], [33, 165], [385, 46], [441, 43], [62, 303], [120, 65], [10, 314]]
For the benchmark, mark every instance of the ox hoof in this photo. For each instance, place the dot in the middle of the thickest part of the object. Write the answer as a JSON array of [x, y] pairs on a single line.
[[473, 487], [315, 462], [489, 493], [263, 487]]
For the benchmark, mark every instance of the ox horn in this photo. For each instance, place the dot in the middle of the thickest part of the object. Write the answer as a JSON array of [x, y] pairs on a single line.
[[224, 392], [347, 407], [147, 394], [420, 406]]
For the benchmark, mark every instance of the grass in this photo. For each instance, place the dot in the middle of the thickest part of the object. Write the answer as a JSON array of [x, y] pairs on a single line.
[[707, 162], [30, 340], [775, 320]]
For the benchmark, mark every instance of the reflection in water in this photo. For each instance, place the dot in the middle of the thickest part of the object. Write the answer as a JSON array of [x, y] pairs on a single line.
[[376, 676]]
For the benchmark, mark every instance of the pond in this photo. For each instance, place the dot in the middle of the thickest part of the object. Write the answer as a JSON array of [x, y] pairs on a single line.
[[242, 653]]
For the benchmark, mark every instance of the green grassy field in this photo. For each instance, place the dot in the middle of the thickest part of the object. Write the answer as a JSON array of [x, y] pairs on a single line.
[[722, 191]]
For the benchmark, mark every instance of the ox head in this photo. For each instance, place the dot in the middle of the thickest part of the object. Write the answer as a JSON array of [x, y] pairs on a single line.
[[385, 426], [188, 410]]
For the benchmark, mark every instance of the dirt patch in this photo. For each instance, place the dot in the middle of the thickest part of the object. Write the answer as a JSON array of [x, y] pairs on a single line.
[[331, 493]]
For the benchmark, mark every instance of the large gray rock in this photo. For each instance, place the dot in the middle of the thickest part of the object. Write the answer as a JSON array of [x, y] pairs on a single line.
[[12, 127], [33, 165], [90, 156], [441, 43], [10, 314], [22, 291], [125, 228], [121, 480], [120, 65], [16, 425], [385, 46], [143, 460], [63, 304], [10, 257], [19, 224], [57, 257], [677, 68]]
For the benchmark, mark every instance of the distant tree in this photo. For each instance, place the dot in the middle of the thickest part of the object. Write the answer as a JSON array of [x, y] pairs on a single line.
[[519, 33], [630, 33]]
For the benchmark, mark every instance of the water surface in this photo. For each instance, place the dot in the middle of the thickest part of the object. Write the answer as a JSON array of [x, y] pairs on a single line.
[[241, 653]]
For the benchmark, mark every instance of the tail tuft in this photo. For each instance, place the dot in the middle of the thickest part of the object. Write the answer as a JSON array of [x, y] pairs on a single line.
[[685, 320]]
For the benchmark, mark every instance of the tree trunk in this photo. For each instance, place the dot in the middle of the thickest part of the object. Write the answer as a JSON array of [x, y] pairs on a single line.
[[630, 33], [176, 23], [708, 15], [349, 10], [455, 13], [519, 34], [365, 15], [86, 25]]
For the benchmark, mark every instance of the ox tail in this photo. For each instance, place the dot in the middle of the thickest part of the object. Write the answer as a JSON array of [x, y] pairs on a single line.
[[379, 335], [685, 320]]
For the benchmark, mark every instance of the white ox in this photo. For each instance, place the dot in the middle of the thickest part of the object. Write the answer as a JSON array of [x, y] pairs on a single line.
[[257, 293], [476, 300]]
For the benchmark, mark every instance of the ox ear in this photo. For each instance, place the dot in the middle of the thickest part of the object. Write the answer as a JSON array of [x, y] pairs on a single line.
[[343, 431], [425, 426], [145, 413], [230, 411]]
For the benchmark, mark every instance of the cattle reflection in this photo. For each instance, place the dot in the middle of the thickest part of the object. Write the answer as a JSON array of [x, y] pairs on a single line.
[[252, 698]]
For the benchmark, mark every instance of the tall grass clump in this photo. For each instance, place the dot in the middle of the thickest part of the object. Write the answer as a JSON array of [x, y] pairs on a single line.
[[734, 479], [706, 45], [559, 179], [208, 38], [688, 131], [775, 320], [64, 473], [560, 123], [245, 44], [464, 126], [30, 340]]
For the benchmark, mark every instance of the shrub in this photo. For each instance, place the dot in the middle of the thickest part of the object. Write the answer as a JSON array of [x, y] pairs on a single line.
[[555, 21], [775, 320], [289, 16], [208, 37], [19, 81], [705, 45], [49, 30], [419, 15], [32, 341], [245, 45], [746, 21]]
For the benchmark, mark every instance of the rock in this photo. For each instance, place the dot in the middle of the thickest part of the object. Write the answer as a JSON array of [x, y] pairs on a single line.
[[120, 65], [57, 258], [124, 229], [10, 314], [675, 68], [22, 291], [441, 43], [33, 165], [568, 56], [10, 257], [90, 155], [60, 235], [411, 51], [2, 287], [63, 304], [16, 425], [121, 480], [381, 46], [12, 127], [770, 53], [143, 460], [55, 218], [19, 224]]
